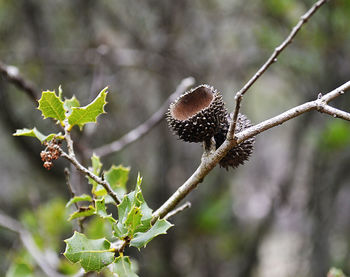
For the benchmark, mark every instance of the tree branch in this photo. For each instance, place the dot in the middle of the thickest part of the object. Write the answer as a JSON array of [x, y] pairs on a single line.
[[334, 112], [29, 244], [272, 59], [209, 162], [145, 127], [71, 157], [12, 74], [87, 172]]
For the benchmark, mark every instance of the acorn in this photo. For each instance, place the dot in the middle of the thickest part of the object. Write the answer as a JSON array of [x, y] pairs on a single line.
[[240, 153], [198, 114]]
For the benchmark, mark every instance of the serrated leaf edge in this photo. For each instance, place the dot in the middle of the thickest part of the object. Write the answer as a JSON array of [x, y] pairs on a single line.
[[52, 107]]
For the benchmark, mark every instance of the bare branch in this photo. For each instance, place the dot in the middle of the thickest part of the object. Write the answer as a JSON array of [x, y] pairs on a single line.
[[12, 74], [209, 162], [334, 112], [29, 244], [145, 127], [178, 210], [269, 62]]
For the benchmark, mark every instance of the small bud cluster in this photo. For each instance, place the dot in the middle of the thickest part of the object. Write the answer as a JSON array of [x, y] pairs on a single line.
[[51, 152]]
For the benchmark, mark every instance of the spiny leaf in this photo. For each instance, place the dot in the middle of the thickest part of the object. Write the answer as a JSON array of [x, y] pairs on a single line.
[[102, 211], [134, 215], [133, 220], [117, 177], [141, 239], [93, 255], [82, 115], [124, 208], [122, 266], [145, 210], [75, 199], [51, 105], [120, 231], [82, 213], [36, 134], [70, 103]]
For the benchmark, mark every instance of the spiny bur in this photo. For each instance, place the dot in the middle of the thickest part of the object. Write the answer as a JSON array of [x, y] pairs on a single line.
[[198, 114], [240, 153]]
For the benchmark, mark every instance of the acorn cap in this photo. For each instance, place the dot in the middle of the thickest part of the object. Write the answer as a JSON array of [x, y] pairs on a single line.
[[198, 114], [240, 153]]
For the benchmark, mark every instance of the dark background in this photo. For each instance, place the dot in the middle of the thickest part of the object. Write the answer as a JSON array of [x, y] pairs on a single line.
[[285, 213]]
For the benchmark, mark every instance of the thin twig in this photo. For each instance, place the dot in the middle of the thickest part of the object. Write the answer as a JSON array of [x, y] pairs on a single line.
[[269, 62], [209, 162], [178, 210], [29, 244], [145, 127], [67, 176], [334, 112], [71, 157], [12, 74], [69, 185], [87, 172]]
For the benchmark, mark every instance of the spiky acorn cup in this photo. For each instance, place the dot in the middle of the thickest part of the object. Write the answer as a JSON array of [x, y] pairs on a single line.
[[240, 153], [198, 114]]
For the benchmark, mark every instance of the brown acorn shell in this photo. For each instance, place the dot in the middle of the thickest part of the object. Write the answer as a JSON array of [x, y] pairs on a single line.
[[240, 153], [198, 114]]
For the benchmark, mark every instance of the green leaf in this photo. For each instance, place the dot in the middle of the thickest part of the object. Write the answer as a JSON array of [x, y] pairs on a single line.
[[97, 228], [35, 133], [102, 211], [83, 212], [123, 209], [75, 199], [51, 105], [134, 215], [93, 255], [141, 239], [133, 220], [145, 210], [119, 230], [70, 103], [97, 189], [122, 266], [117, 177], [82, 115]]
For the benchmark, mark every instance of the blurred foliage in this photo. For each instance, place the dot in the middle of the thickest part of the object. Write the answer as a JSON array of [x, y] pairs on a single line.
[[335, 272], [335, 136], [142, 50], [48, 224]]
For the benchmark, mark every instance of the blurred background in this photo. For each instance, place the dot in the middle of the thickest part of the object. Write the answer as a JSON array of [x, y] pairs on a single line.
[[284, 213]]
